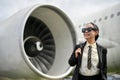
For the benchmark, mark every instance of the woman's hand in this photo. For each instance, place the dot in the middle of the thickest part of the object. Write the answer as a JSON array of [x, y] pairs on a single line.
[[77, 52]]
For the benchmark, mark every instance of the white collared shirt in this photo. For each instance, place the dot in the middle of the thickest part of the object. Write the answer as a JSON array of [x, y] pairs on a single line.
[[94, 61]]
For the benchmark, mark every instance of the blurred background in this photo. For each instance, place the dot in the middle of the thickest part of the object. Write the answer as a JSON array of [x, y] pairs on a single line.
[[75, 9]]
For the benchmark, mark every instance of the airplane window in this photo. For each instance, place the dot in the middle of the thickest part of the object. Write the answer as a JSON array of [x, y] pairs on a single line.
[[79, 26], [100, 19], [112, 15], [106, 18], [118, 14], [84, 24], [94, 21]]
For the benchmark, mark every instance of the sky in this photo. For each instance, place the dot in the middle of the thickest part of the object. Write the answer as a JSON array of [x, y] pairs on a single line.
[[73, 8]]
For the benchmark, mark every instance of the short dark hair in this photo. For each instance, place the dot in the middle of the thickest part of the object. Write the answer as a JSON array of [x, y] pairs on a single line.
[[96, 28]]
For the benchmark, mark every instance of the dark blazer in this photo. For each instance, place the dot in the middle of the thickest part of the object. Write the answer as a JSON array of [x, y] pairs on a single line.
[[102, 65]]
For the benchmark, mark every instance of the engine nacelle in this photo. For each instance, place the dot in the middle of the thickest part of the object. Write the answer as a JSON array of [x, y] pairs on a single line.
[[36, 41]]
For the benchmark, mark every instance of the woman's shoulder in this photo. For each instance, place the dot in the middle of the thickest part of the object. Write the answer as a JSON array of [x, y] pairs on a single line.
[[102, 47]]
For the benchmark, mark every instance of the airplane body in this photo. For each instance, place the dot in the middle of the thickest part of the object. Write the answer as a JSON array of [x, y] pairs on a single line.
[[37, 41]]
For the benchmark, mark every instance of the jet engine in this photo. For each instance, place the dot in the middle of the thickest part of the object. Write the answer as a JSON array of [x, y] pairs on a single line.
[[36, 42]]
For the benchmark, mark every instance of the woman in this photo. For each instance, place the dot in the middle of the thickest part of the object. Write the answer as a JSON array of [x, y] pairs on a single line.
[[90, 58]]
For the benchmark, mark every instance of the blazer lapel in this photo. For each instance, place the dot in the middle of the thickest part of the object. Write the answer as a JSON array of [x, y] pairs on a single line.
[[80, 57], [99, 55]]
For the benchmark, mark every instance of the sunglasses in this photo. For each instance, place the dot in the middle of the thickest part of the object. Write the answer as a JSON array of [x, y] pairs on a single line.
[[89, 29]]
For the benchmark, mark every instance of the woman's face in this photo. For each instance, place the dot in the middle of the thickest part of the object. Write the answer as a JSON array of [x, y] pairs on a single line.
[[89, 32]]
